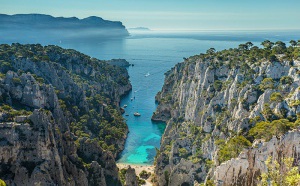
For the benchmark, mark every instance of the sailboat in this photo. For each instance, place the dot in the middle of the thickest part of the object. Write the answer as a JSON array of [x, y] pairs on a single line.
[[136, 114]]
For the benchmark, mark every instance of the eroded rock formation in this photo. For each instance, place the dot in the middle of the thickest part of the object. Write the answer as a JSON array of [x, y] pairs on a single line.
[[211, 101], [54, 103]]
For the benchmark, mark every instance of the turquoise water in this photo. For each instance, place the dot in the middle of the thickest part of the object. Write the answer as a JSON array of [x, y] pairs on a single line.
[[155, 53]]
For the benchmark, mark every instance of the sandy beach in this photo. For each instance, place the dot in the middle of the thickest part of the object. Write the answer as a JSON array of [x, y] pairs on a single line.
[[139, 169]]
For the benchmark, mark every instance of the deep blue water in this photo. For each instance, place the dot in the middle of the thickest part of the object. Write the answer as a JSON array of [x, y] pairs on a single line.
[[155, 53]]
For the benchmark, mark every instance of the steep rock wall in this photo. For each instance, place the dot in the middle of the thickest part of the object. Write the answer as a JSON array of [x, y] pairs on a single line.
[[214, 97], [46, 116]]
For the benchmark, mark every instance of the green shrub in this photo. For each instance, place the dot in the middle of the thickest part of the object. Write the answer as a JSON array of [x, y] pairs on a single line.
[[2, 76], [5, 66], [182, 152], [209, 183], [209, 163], [167, 175], [218, 85], [286, 80], [144, 174], [288, 176], [45, 58], [267, 83], [276, 97], [16, 81], [272, 58], [232, 148], [6, 108], [38, 79], [141, 182], [267, 112], [122, 174], [2, 183], [266, 130], [294, 103]]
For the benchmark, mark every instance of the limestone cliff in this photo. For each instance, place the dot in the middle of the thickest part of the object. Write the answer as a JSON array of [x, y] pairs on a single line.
[[130, 177], [212, 102], [60, 122], [251, 162]]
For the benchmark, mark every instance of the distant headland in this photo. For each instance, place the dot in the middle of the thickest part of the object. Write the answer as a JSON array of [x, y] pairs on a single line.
[[46, 26], [140, 29]]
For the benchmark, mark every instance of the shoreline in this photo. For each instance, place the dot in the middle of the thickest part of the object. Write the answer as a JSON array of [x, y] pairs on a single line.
[[138, 169]]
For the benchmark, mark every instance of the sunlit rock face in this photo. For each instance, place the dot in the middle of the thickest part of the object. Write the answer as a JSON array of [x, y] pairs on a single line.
[[251, 163], [212, 98]]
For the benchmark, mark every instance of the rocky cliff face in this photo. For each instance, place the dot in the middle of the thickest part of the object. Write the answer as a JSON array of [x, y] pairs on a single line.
[[119, 62], [212, 103], [251, 162], [130, 177], [60, 123]]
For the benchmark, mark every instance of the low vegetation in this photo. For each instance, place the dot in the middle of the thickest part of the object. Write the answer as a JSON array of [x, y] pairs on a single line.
[[2, 183], [232, 147], [282, 173], [266, 129], [144, 174]]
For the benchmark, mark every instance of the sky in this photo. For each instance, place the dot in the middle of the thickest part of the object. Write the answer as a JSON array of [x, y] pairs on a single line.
[[172, 14]]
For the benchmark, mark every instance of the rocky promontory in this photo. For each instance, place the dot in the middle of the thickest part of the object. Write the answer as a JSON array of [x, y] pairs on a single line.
[[60, 121], [26, 28], [119, 62], [227, 112]]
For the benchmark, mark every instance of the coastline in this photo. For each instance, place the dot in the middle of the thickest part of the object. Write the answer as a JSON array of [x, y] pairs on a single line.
[[138, 169]]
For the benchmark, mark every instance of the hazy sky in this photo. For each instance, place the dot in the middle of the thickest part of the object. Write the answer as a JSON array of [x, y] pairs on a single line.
[[172, 14]]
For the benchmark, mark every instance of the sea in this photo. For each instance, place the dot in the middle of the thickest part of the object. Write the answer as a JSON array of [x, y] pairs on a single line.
[[152, 54]]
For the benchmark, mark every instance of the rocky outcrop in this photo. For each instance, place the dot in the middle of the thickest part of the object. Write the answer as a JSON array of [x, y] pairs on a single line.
[[46, 114], [119, 62], [214, 97], [251, 163], [130, 177]]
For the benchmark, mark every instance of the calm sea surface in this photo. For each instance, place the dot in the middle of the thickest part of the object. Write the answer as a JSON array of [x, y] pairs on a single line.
[[154, 53]]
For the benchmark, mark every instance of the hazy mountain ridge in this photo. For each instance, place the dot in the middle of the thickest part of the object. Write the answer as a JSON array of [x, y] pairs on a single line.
[[217, 104], [47, 21], [29, 28]]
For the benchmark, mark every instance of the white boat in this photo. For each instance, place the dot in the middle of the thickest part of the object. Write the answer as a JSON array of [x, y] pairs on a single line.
[[125, 106], [148, 74], [137, 114]]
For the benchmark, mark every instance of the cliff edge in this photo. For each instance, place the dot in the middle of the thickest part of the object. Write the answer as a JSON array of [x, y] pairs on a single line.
[[60, 121], [221, 104]]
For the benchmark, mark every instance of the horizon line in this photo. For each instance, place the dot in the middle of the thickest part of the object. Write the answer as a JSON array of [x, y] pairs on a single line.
[[197, 30]]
